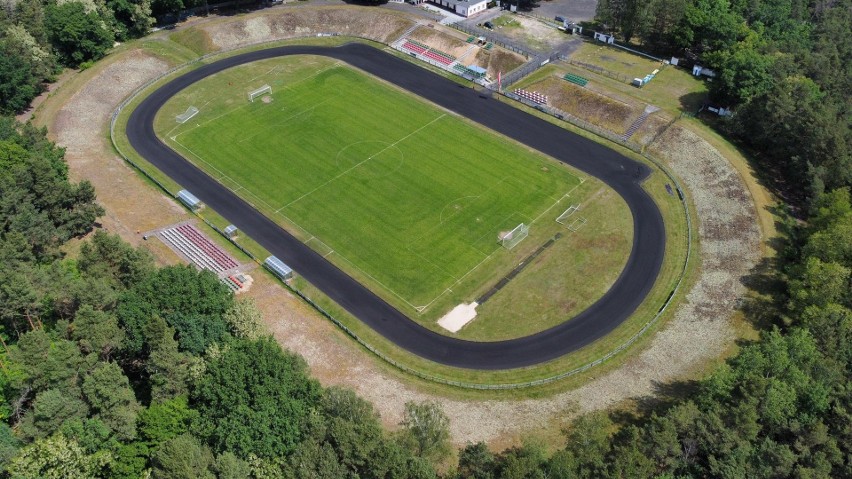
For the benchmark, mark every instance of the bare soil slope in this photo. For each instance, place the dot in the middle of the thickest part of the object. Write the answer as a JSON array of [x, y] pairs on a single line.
[[278, 24]]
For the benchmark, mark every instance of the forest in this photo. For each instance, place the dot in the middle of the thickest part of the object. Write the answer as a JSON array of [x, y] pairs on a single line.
[[782, 65], [113, 367]]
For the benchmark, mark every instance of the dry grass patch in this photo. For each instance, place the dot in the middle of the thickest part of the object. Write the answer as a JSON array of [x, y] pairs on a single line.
[[497, 60], [530, 32], [195, 39], [604, 111]]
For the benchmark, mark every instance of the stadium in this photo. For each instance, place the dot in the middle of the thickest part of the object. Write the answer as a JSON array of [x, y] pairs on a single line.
[[391, 196]]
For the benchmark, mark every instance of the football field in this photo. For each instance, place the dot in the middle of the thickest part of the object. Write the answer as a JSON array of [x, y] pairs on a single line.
[[392, 189]]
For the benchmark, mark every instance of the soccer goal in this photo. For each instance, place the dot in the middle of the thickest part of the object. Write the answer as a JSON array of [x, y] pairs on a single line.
[[510, 239], [564, 217], [184, 117], [259, 92]]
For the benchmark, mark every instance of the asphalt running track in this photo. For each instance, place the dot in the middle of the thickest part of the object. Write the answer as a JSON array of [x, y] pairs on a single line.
[[620, 173]]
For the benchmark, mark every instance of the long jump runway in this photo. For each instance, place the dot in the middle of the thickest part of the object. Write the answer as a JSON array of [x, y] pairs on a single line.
[[620, 173]]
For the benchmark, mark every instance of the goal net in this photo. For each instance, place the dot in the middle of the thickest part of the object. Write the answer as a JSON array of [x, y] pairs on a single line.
[[510, 239], [184, 117], [564, 217], [259, 92]]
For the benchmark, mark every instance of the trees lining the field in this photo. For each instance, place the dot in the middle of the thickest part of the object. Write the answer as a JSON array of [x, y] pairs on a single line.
[[779, 64]]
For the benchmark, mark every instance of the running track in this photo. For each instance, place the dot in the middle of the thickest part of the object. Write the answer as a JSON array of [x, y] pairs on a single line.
[[621, 174]]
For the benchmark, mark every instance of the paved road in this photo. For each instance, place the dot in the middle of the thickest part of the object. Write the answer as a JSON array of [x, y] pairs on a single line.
[[620, 173]]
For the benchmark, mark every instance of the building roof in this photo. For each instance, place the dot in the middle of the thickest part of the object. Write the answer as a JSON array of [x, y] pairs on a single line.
[[454, 3], [278, 267], [188, 198]]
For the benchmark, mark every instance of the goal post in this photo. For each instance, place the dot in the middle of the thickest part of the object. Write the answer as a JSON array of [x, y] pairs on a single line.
[[564, 217], [189, 113], [260, 91], [510, 239]]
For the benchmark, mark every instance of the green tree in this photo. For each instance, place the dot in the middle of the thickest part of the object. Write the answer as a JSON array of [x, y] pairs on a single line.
[[108, 392], [229, 466], [97, 332], [49, 363], [244, 319], [476, 461], [167, 367], [57, 458], [77, 35], [18, 84], [165, 420], [255, 399], [108, 256], [49, 412], [193, 302], [427, 429], [182, 457]]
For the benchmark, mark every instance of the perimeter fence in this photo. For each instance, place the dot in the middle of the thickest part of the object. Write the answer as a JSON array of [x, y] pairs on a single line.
[[384, 357]]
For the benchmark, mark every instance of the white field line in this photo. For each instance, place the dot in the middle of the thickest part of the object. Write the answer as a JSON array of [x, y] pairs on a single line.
[[232, 110], [376, 281], [268, 127], [566, 195], [345, 172], [200, 109], [488, 256]]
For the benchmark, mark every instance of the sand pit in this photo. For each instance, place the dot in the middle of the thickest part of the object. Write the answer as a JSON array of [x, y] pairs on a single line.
[[458, 317]]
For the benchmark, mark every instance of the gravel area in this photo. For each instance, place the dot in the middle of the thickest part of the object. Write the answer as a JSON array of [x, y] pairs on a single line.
[[697, 334], [81, 127], [574, 10]]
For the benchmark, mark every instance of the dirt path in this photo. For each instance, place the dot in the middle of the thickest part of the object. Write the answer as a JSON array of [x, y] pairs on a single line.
[[698, 333]]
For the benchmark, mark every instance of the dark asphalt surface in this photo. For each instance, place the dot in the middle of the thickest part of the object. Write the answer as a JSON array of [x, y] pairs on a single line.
[[620, 173]]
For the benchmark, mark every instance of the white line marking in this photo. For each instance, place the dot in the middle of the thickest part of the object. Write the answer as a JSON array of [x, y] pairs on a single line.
[[343, 173]]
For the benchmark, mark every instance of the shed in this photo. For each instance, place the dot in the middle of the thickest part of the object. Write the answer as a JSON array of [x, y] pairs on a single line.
[[189, 200], [278, 268], [230, 231]]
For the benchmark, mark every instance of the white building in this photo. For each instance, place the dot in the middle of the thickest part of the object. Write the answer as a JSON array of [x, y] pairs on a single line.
[[464, 8]]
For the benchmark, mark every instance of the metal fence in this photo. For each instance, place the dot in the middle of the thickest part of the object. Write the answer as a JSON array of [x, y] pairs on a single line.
[[596, 69], [402, 367]]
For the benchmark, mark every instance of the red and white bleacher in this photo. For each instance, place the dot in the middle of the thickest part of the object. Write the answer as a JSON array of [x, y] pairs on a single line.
[[532, 96], [427, 51], [198, 248]]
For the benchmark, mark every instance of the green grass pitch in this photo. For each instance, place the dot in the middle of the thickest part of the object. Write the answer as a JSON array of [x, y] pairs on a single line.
[[385, 184]]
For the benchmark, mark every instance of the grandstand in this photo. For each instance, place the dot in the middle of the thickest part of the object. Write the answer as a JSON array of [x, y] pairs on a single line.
[[532, 96], [190, 243], [418, 48]]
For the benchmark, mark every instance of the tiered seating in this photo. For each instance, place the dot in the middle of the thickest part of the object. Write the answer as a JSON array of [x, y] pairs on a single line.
[[221, 258], [415, 46], [532, 96], [440, 56], [200, 250], [232, 282], [489, 46], [576, 79], [470, 39]]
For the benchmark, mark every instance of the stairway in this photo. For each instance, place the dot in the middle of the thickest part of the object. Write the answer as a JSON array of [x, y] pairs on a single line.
[[638, 122], [406, 33]]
